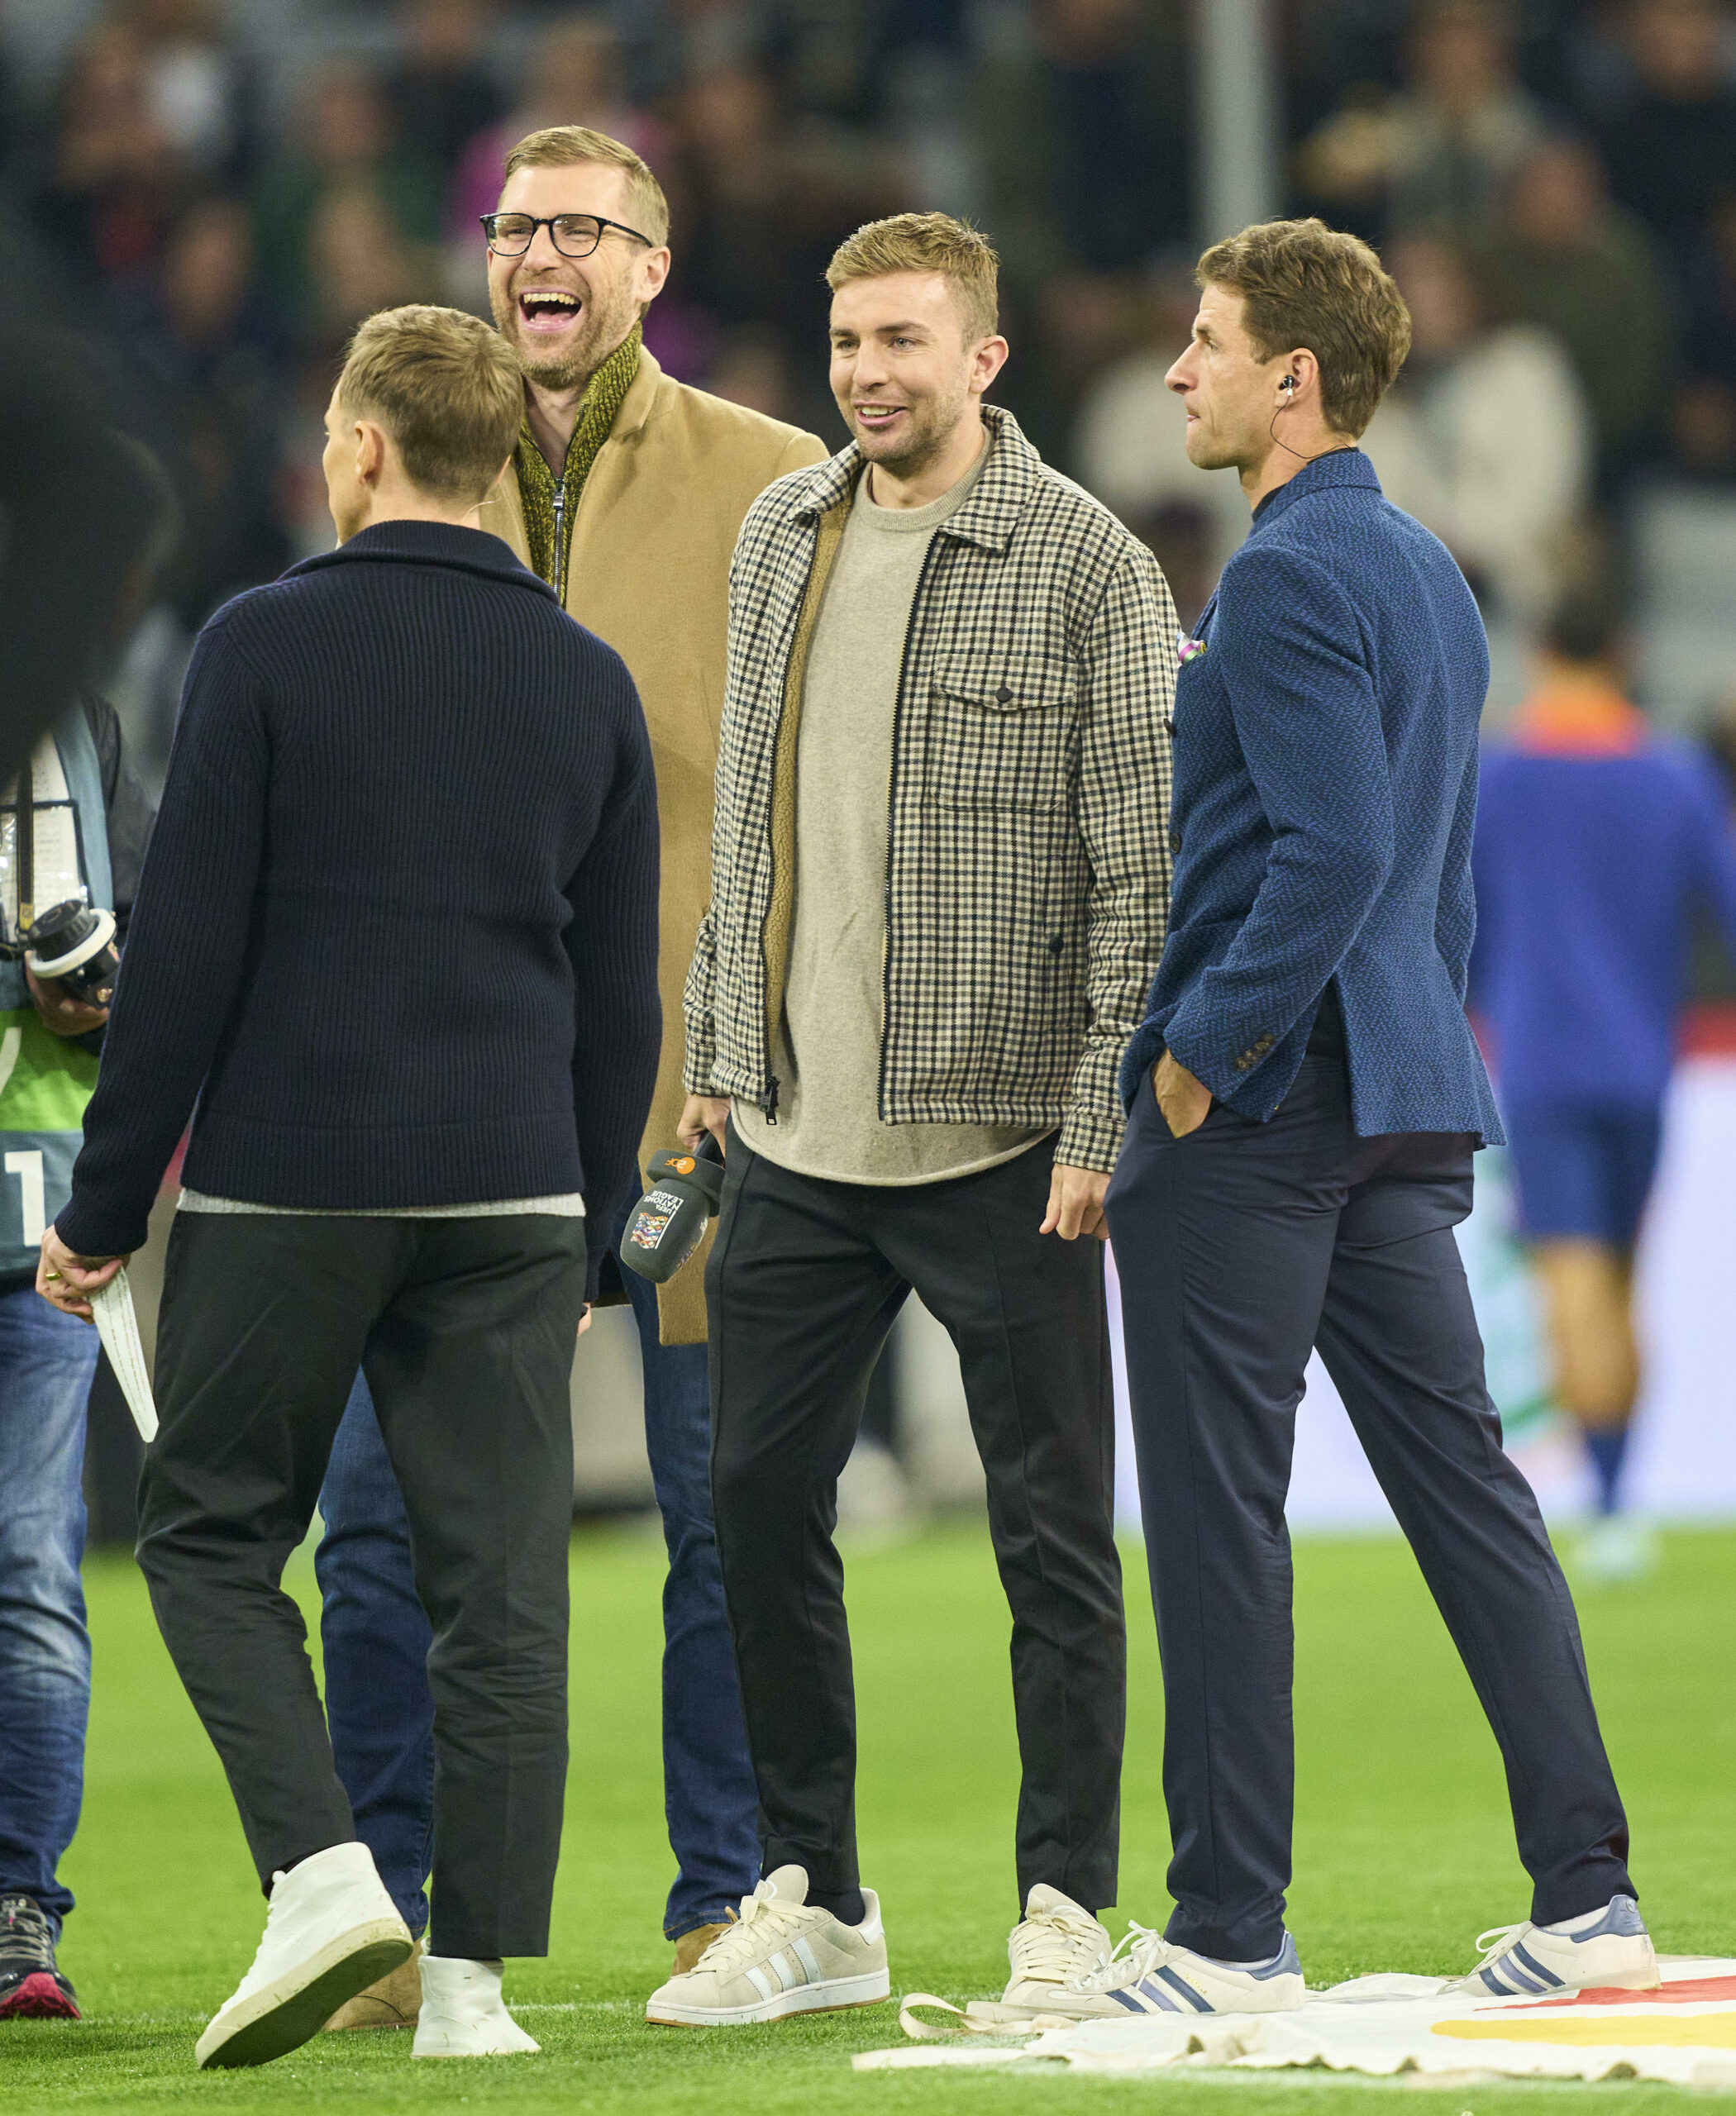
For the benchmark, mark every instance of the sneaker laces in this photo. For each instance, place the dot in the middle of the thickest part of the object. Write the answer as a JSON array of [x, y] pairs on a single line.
[[765, 1919], [1045, 1948], [26, 1934], [1132, 1957], [1494, 1943]]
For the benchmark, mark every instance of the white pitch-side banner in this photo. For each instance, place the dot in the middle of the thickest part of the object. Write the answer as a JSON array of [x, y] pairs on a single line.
[[1682, 1465], [1685, 2032]]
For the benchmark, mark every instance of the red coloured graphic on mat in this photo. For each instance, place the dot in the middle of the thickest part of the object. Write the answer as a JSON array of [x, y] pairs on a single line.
[[1692, 1991]]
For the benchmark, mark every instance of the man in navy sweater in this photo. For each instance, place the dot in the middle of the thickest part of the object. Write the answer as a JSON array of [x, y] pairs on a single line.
[[397, 938], [1305, 1098]]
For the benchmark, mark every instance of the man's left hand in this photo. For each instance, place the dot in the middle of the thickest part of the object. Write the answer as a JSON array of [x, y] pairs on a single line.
[[61, 1014], [1076, 1203], [66, 1280]]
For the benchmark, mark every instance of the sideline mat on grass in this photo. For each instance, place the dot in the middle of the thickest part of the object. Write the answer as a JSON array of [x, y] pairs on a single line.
[[1684, 2031]]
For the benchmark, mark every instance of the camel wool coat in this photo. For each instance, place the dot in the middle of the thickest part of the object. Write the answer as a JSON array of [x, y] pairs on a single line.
[[648, 571]]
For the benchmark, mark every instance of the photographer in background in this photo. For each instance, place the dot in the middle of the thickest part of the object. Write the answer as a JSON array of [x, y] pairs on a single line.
[[86, 824]]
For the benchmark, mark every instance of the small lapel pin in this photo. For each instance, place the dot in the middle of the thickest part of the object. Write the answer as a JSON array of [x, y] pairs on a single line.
[[1187, 650]]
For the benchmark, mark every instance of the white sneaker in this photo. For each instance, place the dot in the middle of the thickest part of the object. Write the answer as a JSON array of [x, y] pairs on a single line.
[[1609, 1949], [463, 2014], [1148, 1974], [331, 1931], [782, 1956], [1057, 1943]]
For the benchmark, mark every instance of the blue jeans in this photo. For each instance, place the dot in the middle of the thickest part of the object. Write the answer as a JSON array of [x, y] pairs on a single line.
[[376, 1642], [46, 1362]]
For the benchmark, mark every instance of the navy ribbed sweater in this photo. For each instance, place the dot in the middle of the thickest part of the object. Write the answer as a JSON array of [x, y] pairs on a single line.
[[397, 931]]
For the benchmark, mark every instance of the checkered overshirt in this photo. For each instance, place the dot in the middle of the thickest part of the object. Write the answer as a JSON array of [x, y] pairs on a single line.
[[1028, 830]]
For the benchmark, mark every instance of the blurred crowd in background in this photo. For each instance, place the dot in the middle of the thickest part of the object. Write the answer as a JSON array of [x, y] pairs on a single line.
[[211, 195]]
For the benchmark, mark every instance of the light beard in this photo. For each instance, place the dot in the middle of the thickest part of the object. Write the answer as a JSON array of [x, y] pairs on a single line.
[[928, 440], [599, 338]]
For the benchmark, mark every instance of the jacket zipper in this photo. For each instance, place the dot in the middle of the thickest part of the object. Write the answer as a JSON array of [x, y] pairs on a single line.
[[898, 712], [559, 582]]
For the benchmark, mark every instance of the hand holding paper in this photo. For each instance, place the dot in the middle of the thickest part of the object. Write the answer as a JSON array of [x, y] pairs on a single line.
[[118, 1327]]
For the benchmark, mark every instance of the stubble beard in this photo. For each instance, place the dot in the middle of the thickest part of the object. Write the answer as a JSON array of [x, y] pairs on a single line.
[[603, 325], [933, 424]]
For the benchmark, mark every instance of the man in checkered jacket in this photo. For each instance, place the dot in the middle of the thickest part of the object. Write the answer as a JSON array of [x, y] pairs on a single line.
[[940, 872]]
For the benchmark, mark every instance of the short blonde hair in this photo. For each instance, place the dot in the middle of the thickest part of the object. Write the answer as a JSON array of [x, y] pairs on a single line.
[[1304, 284], [927, 242], [570, 146], [445, 387]]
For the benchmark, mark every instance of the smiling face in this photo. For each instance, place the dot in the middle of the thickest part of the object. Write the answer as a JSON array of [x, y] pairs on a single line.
[[904, 371], [1230, 394], [564, 316]]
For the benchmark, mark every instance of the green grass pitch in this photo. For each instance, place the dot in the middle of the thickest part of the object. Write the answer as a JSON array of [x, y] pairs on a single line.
[[1403, 1849]]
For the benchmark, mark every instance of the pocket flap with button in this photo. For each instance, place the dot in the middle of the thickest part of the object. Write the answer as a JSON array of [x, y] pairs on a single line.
[[1002, 730], [1008, 683]]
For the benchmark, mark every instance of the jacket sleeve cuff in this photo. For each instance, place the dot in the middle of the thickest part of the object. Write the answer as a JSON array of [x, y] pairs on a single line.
[[1089, 1139], [1220, 1074], [88, 1232], [699, 1068]]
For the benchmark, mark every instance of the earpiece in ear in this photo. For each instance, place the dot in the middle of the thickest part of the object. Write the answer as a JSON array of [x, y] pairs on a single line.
[[1287, 387]]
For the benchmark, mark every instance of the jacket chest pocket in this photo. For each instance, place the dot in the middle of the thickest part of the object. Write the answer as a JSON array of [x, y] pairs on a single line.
[[1002, 734]]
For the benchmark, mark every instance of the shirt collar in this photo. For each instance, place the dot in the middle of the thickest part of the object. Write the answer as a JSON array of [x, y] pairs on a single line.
[[987, 517], [1337, 467], [428, 543]]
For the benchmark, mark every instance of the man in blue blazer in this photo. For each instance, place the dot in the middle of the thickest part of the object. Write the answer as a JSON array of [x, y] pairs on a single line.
[[1305, 1099]]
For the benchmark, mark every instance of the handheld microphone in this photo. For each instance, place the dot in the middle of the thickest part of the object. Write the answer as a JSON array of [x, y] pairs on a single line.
[[680, 1199]]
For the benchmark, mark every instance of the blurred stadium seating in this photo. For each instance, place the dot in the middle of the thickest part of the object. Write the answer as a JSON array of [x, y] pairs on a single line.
[[210, 193]]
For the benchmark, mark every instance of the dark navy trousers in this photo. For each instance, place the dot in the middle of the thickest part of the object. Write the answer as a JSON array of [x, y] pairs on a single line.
[[1240, 1248]]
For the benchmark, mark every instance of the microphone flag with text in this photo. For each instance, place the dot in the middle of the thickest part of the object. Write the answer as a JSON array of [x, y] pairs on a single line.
[[681, 1195]]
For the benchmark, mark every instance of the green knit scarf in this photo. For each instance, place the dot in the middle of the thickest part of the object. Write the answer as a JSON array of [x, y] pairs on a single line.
[[597, 411]]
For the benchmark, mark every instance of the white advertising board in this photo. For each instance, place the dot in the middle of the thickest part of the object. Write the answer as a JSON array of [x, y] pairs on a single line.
[[1682, 1465]]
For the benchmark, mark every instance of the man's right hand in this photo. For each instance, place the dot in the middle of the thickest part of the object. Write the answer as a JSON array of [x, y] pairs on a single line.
[[702, 1113]]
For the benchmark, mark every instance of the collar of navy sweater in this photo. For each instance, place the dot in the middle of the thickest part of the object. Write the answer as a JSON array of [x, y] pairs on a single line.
[[988, 517], [1337, 467], [431, 543]]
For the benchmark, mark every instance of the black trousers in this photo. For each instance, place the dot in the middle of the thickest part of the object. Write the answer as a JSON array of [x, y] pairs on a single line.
[[1240, 1248], [804, 1281], [466, 1330]]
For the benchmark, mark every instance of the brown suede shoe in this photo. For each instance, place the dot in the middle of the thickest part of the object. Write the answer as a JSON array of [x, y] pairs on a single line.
[[692, 1945], [394, 2002]]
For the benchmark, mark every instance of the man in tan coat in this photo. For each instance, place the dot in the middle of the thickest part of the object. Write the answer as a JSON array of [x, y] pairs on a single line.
[[626, 493]]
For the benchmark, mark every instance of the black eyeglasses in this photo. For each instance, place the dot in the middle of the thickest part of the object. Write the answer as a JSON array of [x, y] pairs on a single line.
[[573, 235]]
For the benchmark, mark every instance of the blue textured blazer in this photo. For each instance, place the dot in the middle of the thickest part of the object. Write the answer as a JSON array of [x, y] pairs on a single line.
[[1326, 758]]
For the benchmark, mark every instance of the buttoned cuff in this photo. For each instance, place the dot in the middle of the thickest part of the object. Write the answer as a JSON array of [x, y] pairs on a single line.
[[1089, 1139]]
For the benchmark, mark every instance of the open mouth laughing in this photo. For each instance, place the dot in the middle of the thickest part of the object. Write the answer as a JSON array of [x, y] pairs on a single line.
[[546, 312]]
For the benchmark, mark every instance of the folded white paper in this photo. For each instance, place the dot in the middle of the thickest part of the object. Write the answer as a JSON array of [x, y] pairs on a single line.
[[118, 1327]]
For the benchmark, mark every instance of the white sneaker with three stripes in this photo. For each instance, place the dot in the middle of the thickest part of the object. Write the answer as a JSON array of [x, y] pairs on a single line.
[[1148, 1974], [782, 1955], [1605, 1949]]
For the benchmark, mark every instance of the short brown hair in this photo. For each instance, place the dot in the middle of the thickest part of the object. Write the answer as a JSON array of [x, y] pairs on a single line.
[[927, 242], [445, 387], [1302, 284], [571, 146]]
